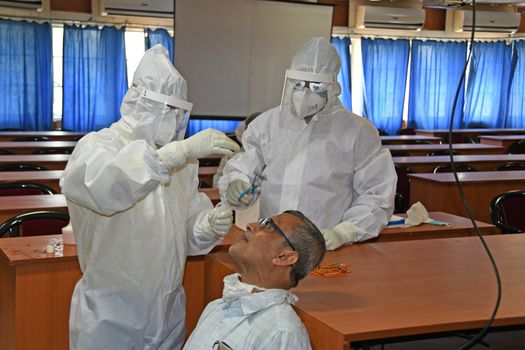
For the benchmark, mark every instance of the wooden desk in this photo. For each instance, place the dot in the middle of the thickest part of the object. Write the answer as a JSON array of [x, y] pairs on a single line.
[[463, 148], [32, 146], [486, 162], [50, 178], [439, 192], [501, 140], [48, 161], [460, 227], [15, 205], [35, 293], [406, 139], [206, 174], [52, 135], [470, 132], [403, 288]]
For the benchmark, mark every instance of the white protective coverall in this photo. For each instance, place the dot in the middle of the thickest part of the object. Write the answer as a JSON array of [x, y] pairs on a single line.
[[134, 221], [333, 169]]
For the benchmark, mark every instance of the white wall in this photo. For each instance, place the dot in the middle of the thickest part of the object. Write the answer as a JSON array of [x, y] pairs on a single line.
[[233, 53]]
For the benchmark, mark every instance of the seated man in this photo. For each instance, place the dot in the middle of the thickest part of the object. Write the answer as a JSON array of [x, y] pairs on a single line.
[[255, 311]]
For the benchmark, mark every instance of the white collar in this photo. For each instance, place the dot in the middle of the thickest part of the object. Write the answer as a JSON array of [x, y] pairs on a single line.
[[252, 301]]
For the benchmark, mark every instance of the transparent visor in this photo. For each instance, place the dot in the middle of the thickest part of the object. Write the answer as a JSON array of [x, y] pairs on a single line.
[[298, 80], [173, 122]]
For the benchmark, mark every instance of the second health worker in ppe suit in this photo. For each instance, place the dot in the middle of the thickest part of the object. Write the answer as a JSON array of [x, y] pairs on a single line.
[[315, 156], [136, 214]]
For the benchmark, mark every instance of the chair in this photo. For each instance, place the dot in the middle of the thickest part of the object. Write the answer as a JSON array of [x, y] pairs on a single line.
[[21, 167], [457, 138], [5, 152], [209, 162], [35, 224], [31, 138], [24, 189], [444, 152], [407, 131], [403, 186], [399, 154], [53, 151], [506, 211], [447, 168], [382, 132], [511, 166], [417, 142], [399, 203], [517, 147]]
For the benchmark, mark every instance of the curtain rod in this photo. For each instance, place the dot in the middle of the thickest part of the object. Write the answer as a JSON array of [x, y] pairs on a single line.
[[421, 35], [423, 38]]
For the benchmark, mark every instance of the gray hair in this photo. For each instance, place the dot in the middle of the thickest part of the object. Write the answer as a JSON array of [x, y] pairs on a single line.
[[309, 244]]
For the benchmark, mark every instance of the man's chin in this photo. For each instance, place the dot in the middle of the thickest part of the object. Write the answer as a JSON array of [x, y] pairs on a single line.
[[235, 249]]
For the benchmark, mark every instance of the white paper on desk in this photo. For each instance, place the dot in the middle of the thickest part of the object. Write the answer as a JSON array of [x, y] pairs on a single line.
[[246, 216], [396, 221], [418, 214]]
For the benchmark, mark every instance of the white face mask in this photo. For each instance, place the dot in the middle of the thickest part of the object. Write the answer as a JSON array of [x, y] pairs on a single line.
[[307, 102]]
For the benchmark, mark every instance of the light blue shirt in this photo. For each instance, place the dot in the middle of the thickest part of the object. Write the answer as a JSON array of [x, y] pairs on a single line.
[[262, 320]]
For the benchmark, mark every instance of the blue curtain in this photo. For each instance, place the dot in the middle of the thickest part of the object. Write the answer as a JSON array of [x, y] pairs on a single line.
[[516, 108], [94, 77], [435, 71], [385, 64], [160, 36], [342, 45], [25, 75], [488, 85], [196, 125]]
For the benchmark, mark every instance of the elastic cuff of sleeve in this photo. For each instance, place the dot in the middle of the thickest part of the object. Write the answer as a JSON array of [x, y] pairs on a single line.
[[157, 169], [347, 230]]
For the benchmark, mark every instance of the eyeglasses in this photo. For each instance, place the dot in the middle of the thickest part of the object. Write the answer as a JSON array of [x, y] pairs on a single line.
[[268, 221]]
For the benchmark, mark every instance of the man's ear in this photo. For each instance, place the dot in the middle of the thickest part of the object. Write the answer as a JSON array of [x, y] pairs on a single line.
[[286, 258]]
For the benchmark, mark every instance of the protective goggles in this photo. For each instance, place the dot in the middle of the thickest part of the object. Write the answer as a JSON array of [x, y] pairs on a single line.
[[314, 87]]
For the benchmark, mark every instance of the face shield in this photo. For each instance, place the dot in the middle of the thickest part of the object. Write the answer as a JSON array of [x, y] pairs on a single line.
[[173, 119], [306, 93]]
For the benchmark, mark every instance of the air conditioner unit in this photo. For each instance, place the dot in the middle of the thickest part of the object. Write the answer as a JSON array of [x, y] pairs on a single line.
[[389, 17], [26, 4], [142, 8], [487, 21], [444, 3]]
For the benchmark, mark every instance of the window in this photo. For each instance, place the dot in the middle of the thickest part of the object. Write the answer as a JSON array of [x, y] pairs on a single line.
[[135, 47], [58, 39]]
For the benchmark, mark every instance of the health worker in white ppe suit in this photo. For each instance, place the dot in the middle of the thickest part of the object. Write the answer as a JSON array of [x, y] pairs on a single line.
[[136, 214], [311, 154]]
